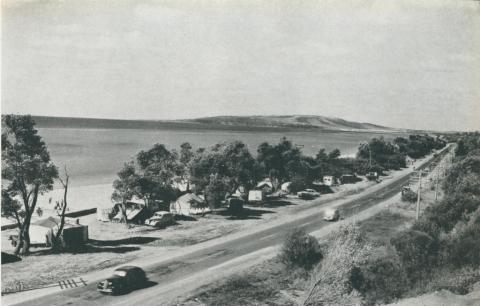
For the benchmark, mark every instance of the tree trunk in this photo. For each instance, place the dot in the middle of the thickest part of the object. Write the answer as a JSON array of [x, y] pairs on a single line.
[[57, 243], [124, 214], [26, 242], [23, 243]]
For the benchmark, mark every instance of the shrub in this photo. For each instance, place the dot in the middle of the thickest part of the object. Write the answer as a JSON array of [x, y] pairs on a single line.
[[418, 252], [427, 226], [332, 278], [381, 278], [300, 250]]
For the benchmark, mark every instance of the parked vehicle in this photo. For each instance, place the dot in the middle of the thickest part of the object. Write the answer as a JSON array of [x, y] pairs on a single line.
[[308, 194], [235, 205], [331, 215], [161, 219], [372, 176], [123, 280]]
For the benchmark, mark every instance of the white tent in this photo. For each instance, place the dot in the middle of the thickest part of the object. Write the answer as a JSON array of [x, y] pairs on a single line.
[[103, 214], [189, 204], [286, 187], [41, 231]]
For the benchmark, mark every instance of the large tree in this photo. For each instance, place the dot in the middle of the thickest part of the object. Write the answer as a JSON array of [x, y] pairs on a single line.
[[222, 169], [125, 187], [27, 172], [282, 161], [149, 177]]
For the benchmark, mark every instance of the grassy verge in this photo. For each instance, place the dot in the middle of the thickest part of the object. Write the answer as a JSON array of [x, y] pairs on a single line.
[[266, 284]]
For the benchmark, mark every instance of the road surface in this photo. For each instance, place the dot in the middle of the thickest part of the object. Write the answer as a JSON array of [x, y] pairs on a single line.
[[167, 277]]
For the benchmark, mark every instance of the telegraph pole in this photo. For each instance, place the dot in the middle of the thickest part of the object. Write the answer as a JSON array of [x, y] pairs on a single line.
[[418, 193]]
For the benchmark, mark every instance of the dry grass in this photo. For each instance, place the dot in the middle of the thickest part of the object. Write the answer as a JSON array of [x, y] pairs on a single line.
[[383, 226], [266, 284]]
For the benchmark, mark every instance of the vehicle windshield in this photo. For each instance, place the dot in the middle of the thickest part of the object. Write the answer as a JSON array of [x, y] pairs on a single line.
[[120, 273]]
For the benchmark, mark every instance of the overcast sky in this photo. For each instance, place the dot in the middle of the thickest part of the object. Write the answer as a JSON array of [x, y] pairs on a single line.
[[388, 62]]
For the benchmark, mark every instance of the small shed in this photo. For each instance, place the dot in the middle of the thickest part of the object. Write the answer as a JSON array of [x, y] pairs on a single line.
[[255, 196], [189, 204]]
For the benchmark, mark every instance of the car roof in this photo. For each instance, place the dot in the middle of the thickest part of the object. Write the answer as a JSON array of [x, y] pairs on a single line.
[[127, 268]]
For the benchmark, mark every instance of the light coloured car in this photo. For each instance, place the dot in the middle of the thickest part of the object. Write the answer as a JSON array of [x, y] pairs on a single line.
[[161, 219], [331, 215], [308, 194]]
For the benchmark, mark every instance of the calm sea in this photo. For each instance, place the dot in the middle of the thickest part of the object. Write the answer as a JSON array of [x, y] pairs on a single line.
[[94, 156]]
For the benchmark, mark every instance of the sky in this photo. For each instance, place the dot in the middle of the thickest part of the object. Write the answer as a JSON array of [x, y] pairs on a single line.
[[408, 64]]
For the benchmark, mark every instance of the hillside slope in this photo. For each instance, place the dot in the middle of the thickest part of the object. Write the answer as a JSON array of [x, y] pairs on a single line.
[[247, 123], [293, 121]]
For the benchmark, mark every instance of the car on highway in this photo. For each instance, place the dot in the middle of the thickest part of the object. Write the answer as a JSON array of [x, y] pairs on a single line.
[[161, 219], [331, 215], [308, 194], [123, 280]]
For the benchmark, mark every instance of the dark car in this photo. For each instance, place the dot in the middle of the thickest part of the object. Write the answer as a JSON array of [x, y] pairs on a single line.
[[123, 280]]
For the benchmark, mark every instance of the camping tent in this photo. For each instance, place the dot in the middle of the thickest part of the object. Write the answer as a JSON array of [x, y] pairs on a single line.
[[43, 231], [189, 204], [266, 186], [136, 212], [103, 214], [286, 187]]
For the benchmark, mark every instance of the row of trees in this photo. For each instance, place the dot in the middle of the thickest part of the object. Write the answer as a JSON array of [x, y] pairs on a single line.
[[216, 171], [221, 169]]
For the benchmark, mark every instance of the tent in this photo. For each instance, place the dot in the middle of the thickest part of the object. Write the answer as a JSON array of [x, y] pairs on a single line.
[[241, 192], [286, 187], [44, 230], [265, 185], [189, 204], [136, 212], [104, 214]]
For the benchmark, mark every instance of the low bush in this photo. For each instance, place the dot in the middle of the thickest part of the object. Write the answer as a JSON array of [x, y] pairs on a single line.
[[333, 278], [300, 250], [418, 252], [381, 279]]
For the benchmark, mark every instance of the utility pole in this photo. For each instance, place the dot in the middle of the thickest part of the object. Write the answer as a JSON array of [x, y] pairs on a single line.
[[418, 193], [436, 185], [370, 160]]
